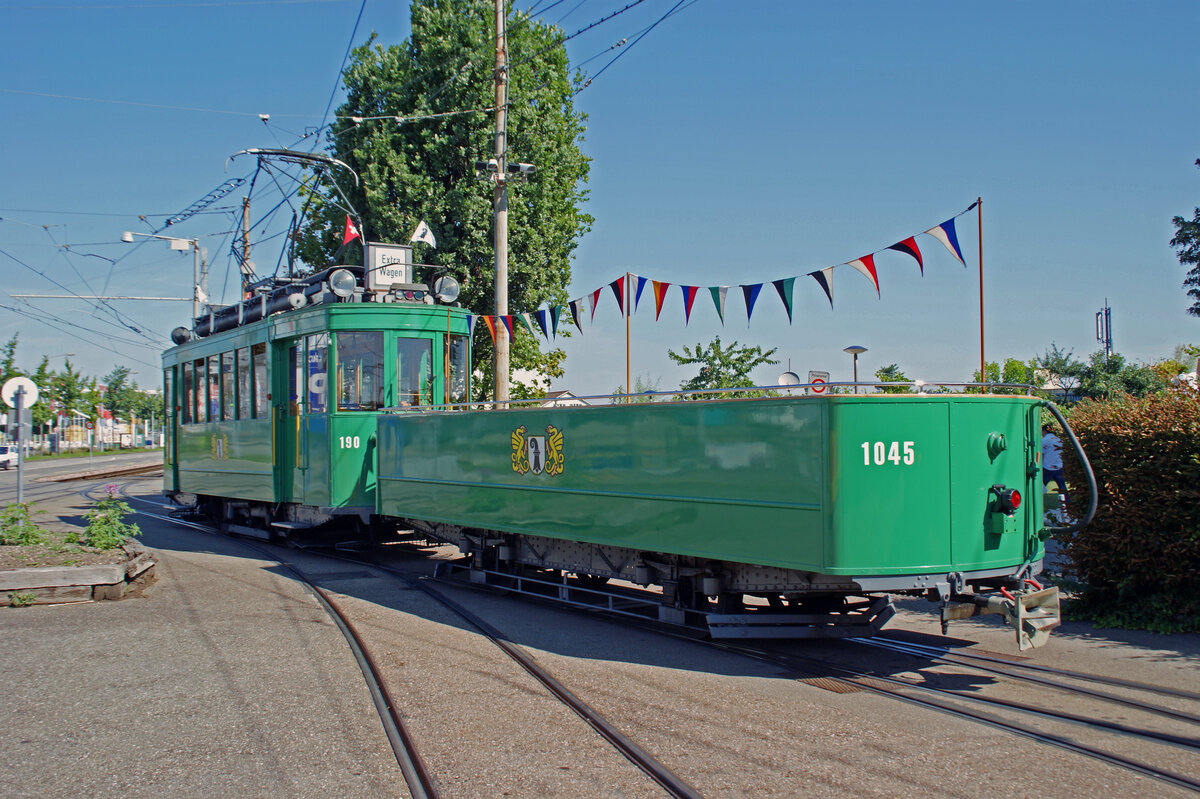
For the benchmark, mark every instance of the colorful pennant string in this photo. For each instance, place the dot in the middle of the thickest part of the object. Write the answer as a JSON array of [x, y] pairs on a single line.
[[540, 316], [946, 234], [490, 321], [618, 289], [689, 297], [596, 301], [718, 295], [866, 265], [751, 295], [909, 246], [784, 287], [637, 297], [824, 278], [660, 294]]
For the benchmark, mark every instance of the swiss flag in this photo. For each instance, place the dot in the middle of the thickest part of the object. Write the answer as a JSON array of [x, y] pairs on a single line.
[[351, 231]]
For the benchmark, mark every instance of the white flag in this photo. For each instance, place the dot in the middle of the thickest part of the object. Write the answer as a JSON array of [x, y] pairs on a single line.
[[423, 233]]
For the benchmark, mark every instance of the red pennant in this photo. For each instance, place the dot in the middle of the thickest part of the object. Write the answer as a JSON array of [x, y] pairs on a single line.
[[490, 321], [351, 232], [596, 301], [866, 265], [508, 324], [660, 294]]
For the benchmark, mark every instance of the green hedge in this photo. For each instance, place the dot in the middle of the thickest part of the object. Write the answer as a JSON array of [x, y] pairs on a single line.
[[1139, 560]]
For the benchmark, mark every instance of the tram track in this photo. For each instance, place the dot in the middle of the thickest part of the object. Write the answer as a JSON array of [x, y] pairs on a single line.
[[421, 783], [830, 674]]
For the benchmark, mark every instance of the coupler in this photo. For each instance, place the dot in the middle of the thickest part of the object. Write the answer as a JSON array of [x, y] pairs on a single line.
[[1032, 613]]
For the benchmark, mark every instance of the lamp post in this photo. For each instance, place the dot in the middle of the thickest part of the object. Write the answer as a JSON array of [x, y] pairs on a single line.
[[855, 351], [182, 245]]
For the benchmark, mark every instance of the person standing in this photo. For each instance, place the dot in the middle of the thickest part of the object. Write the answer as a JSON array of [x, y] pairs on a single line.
[[1052, 463]]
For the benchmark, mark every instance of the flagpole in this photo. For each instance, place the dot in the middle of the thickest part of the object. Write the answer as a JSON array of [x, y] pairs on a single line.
[[982, 361], [628, 387]]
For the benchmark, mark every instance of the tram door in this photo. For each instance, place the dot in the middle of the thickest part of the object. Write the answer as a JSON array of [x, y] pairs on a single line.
[[290, 452]]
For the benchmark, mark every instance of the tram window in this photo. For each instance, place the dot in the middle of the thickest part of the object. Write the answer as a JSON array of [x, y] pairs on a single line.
[[214, 388], [318, 347], [295, 379], [228, 387], [201, 391], [456, 358], [414, 371], [169, 391], [360, 371], [187, 400], [258, 356], [243, 383]]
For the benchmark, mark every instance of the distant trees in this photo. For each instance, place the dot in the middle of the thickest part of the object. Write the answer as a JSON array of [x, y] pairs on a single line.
[[1186, 242], [892, 374]]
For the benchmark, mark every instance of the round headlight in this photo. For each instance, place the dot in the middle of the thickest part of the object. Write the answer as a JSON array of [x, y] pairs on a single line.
[[445, 288], [342, 282]]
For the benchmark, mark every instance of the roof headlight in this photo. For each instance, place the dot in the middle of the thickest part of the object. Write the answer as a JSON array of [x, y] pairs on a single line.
[[342, 282]]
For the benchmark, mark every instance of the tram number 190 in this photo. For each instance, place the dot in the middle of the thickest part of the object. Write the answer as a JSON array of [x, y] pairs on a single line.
[[350, 442], [882, 452]]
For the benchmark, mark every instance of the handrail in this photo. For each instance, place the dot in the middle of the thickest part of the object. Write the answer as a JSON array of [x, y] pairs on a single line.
[[918, 387]]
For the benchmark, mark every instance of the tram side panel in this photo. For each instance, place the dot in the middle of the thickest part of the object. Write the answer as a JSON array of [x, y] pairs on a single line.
[[739, 480]]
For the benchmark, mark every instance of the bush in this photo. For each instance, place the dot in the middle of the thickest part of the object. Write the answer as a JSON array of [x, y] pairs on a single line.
[[1139, 558], [17, 527], [106, 528]]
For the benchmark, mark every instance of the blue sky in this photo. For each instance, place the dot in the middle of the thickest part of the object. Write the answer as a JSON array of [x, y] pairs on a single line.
[[736, 143]]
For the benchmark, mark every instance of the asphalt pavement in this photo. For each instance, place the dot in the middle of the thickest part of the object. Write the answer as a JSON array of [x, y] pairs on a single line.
[[225, 679]]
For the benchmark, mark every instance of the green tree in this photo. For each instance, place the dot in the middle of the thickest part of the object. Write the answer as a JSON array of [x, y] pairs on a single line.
[[642, 384], [8, 361], [119, 394], [44, 410], [424, 169], [892, 374], [1107, 378], [70, 389], [1062, 369], [727, 367], [1186, 242]]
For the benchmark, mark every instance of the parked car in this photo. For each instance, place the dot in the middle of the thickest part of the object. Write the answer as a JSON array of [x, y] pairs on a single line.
[[8, 456]]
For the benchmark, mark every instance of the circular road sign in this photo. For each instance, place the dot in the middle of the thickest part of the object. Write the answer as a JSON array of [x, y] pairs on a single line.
[[818, 385], [88, 425], [9, 391]]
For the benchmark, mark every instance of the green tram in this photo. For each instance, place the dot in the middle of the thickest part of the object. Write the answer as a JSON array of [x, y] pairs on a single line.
[[326, 406], [273, 422]]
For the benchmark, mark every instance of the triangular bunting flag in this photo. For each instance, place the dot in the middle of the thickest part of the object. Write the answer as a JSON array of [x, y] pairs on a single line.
[[490, 321], [574, 306], [618, 288], [824, 278], [637, 297], [689, 297], [784, 287], [946, 234], [555, 310], [751, 295], [909, 246], [507, 319], [540, 316], [596, 301], [718, 295], [866, 265], [471, 320], [524, 320], [660, 294]]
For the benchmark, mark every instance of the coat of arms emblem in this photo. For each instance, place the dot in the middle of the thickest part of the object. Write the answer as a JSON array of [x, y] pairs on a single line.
[[537, 454]]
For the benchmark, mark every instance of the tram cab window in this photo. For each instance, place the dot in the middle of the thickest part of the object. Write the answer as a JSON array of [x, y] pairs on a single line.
[[243, 383], [187, 398], [214, 388], [360, 371], [228, 387], [456, 359], [260, 386], [414, 371], [201, 391], [317, 376]]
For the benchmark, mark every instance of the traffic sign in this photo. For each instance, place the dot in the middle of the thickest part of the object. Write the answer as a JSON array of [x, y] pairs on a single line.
[[818, 380], [9, 391], [88, 425]]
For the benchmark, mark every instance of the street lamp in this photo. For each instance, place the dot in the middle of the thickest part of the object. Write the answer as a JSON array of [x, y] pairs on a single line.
[[855, 351], [183, 245]]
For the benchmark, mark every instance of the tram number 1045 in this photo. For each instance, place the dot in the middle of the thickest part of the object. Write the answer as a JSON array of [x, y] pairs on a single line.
[[350, 442], [880, 453]]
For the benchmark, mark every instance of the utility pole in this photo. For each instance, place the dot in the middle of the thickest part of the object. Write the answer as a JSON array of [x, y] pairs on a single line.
[[500, 204], [245, 241]]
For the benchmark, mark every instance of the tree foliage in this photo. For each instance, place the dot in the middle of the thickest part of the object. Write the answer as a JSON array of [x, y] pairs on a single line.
[[727, 367], [892, 374], [1063, 370], [1186, 242], [424, 169], [1106, 378]]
